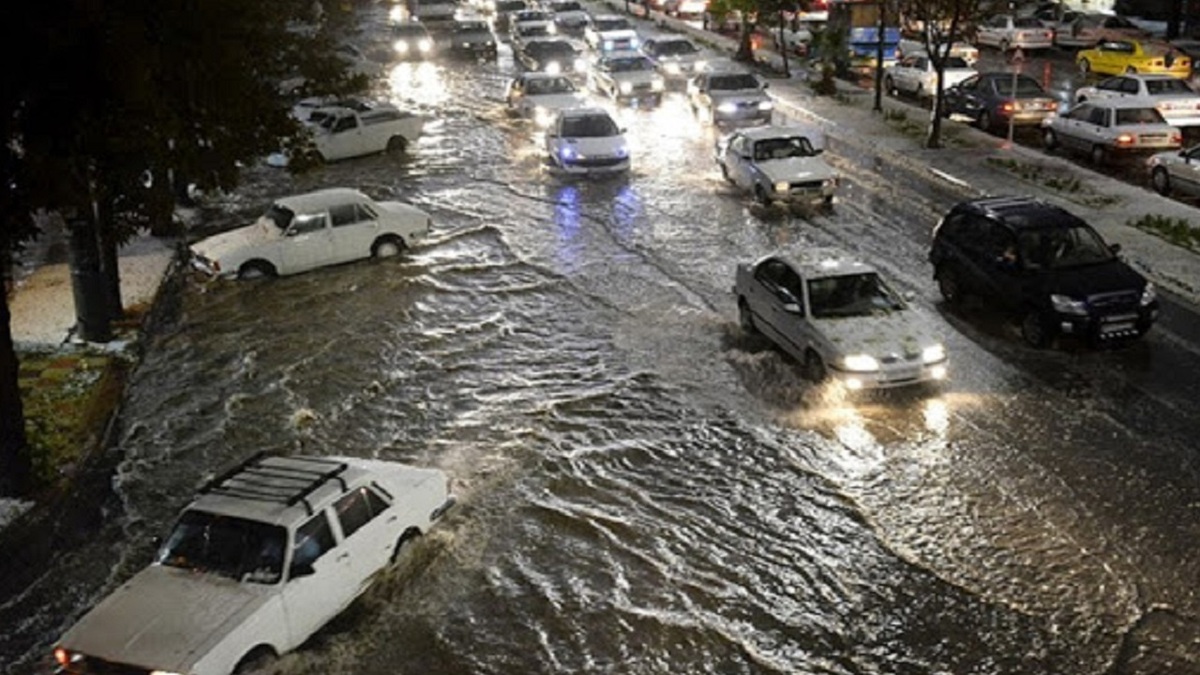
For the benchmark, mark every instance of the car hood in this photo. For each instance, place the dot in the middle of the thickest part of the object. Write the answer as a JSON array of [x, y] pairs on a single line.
[[220, 246], [554, 101], [164, 618], [901, 333], [636, 76], [794, 169], [594, 147], [1084, 280]]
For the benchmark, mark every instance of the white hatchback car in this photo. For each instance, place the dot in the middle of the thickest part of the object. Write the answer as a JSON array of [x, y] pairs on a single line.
[[839, 319], [312, 230], [586, 140], [265, 555], [776, 163]]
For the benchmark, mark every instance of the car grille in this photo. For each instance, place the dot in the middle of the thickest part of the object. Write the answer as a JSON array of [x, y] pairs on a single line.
[[597, 162], [1119, 302], [807, 186]]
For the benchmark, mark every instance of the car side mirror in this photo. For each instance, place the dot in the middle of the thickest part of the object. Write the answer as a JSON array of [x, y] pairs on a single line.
[[301, 570], [793, 308], [766, 85]]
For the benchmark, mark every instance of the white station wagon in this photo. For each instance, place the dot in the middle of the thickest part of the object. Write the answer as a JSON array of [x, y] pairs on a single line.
[[264, 556], [838, 318], [778, 164], [312, 230]]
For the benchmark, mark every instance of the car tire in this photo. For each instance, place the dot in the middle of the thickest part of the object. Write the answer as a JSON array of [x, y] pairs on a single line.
[[746, 318], [1049, 140], [1161, 180], [1085, 66], [1099, 154], [814, 367], [397, 144], [890, 86], [1034, 330], [404, 542], [984, 120], [760, 194], [949, 286], [258, 659], [256, 269], [388, 246]]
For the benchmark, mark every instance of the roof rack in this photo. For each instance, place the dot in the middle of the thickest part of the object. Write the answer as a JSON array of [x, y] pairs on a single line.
[[254, 479]]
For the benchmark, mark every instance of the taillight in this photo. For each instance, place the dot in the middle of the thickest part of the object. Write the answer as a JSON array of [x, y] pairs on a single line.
[[1177, 139], [1008, 106], [62, 657]]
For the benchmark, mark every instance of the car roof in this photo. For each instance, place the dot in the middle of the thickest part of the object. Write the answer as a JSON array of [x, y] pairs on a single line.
[[1022, 212], [1118, 103], [321, 199], [825, 261]]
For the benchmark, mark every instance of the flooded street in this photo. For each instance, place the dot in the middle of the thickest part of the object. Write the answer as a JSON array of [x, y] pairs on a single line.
[[642, 487]]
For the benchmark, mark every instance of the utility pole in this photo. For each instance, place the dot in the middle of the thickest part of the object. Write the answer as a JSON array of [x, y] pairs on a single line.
[[879, 56]]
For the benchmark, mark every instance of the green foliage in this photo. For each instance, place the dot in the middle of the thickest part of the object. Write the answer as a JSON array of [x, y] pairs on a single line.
[[1178, 231], [826, 46]]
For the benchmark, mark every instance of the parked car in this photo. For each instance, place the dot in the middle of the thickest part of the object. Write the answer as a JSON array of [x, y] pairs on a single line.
[[778, 163], [471, 38], [1106, 130], [914, 75], [1044, 266], [318, 108], [837, 316], [263, 557], [610, 33], [344, 133], [504, 12], [1005, 32], [963, 50], [569, 15], [531, 23], [1133, 56], [989, 100], [628, 77], [586, 141], [1088, 30], [685, 9], [1176, 172], [1176, 99], [551, 55], [730, 96], [675, 58], [307, 231], [412, 40], [540, 96]]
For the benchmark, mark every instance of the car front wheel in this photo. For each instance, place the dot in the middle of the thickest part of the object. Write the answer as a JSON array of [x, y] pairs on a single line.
[[760, 193], [985, 121], [405, 541], [1085, 66], [256, 269], [746, 318], [949, 286], [1161, 181], [1034, 331], [258, 659], [814, 367], [1049, 140], [387, 247]]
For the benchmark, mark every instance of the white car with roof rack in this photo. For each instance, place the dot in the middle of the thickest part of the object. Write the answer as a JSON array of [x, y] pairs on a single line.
[[264, 556]]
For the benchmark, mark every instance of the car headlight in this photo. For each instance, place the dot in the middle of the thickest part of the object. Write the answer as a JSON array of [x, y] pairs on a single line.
[[608, 45], [727, 107], [933, 354], [566, 152], [542, 116], [634, 43], [1064, 304], [699, 66], [657, 84], [1149, 294], [860, 363], [401, 47], [580, 65], [553, 67], [551, 29], [622, 151], [765, 105], [626, 87], [424, 46], [781, 186], [672, 68]]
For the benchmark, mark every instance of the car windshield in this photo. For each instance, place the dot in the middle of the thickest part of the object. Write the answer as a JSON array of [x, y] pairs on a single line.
[[1026, 22], [676, 48], [410, 30], [549, 85], [554, 48], [612, 24], [851, 295], [1026, 87], [473, 27], [533, 15], [730, 82], [567, 7], [590, 126], [1139, 116], [630, 64], [1062, 247], [232, 547], [1169, 85], [511, 5], [782, 148], [280, 216]]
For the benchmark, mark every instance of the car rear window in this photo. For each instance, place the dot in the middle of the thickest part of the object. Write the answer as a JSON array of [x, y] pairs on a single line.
[[1168, 86]]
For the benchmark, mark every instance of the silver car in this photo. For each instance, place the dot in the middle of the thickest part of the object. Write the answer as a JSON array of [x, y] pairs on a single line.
[[1176, 171], [1106, 129]]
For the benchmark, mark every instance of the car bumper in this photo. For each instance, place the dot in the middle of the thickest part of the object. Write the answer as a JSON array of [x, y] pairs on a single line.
[[1109, 328], [204, 265], [894, 375], [743, 115], [592, 167], [806, 194]]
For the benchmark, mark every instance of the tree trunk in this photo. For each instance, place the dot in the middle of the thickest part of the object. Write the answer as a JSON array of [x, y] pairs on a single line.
[[745, 52], [87, 282], [110, 272], [16, 467], [784, 48]]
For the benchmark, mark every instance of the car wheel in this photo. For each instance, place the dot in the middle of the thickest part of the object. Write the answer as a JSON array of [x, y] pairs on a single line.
[[387, 247], [1085, 66], [1161, 180], [1004, 46], [725, 173], [404, 542], [1098, 154], [949, 286], [397, 144], [889, 86], [746, 318], [1033, 330], [920, 92], [258, 659], [814, 367], [256, 269], [1049, 140], [760, 193], [985, 121]]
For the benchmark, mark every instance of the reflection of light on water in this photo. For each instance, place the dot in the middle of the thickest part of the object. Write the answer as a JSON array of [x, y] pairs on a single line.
[[566, 220], [937, 416], [627, 206], [418, 82]]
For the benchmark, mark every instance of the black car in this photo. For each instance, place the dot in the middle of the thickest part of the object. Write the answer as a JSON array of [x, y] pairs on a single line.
[[471, 38], [551, 55], [990, 100], [1043, 264]]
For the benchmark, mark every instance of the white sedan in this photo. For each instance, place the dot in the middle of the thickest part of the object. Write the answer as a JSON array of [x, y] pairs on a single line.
[[915, 75], [1176, 172], [627, 76], [1176, 99], [312, 230], [539, 96], [1107, 129], [838, 318], [776, 163], [584, 141]]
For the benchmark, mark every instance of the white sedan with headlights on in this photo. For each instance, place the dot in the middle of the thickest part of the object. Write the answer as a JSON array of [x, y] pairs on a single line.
[[556, 56], [540, 96], [586, 141], [626, 76], [412, 41], [838, 318], [730, 96], [676, 58], [307, 231], [776, 163]]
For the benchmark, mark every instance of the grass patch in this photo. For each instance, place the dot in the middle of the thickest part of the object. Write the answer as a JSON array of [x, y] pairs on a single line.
[[1066, 183], [1178, 231]]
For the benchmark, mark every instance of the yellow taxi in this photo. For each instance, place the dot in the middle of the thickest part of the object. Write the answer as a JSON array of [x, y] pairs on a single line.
[[1117, 57]]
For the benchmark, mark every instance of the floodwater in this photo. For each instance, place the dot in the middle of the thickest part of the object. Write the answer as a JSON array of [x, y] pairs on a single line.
[[643, 489]]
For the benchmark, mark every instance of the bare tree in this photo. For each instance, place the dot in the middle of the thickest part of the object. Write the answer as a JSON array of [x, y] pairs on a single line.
[[941, 24]]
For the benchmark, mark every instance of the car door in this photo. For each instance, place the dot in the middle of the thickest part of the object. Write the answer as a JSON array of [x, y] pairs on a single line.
[[963, 98], [306, 243], [1068, 126], [740, 162], [1096, 129], [370, 526], [351, 233], [1185, 174], [776, 303], [344, 138], [320, 581]]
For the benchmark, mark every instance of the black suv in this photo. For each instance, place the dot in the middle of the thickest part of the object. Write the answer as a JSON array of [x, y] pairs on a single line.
[[1044, 264]]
